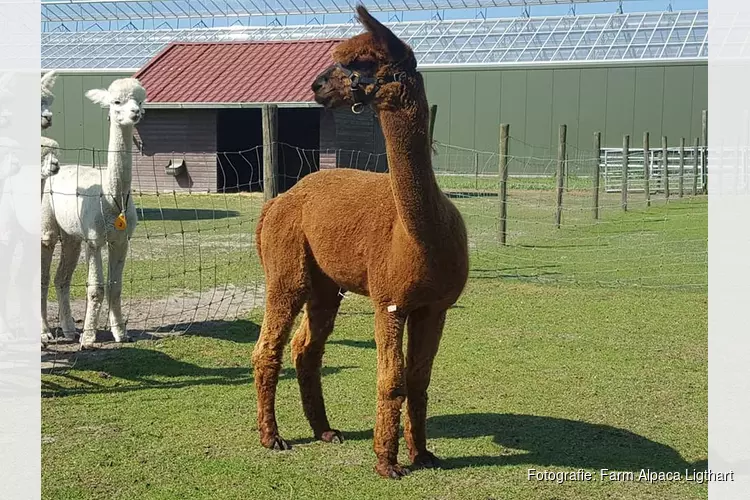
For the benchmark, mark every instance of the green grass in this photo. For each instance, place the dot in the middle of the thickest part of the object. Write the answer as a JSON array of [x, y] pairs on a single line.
[[578, 347]]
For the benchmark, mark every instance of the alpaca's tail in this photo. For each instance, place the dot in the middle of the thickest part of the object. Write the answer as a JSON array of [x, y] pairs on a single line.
[[259, 227]]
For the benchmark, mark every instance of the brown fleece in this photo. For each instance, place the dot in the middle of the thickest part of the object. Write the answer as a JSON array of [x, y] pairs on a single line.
[[393, 237]]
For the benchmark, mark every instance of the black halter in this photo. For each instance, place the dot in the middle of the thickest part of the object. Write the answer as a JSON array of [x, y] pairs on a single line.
[[357, 83]]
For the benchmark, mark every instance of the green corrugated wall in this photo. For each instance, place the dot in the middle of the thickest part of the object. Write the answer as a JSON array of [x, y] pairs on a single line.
[[78, 122], [661, 99]]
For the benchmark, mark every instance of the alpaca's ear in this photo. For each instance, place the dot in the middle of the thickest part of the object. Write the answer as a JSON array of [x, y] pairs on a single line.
[[395, 47], [99, 96], [48, 80]]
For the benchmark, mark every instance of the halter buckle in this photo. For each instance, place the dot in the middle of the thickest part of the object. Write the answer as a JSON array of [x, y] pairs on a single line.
[[358, 108]]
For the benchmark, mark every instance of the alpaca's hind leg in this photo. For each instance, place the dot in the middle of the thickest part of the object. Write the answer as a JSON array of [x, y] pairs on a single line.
[[117, 254], [94, 295], [70, 250], [424, 328], [308, 345], [389, 335], [48, 250], [282, 306]]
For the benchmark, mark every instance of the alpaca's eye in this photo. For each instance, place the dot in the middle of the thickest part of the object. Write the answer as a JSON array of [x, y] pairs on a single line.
[[117, 103]]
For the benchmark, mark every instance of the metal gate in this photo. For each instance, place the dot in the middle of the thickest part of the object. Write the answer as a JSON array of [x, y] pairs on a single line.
[[610, 162]]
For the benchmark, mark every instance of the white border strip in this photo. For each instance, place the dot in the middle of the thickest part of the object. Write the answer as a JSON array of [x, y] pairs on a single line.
[[20, 407], [729, 247]]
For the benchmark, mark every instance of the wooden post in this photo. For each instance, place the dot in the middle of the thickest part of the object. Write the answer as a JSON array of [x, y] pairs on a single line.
[[433, 115], [696, 163], [647, 168], [625, 159], [665, 166], [681, 178], [597, 173], [561, 151], [504, 135], [270, 115], [476, 171], [704, 157]]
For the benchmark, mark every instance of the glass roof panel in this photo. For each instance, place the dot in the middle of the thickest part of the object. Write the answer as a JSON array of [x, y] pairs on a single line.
[[474, 41], [57, 11]]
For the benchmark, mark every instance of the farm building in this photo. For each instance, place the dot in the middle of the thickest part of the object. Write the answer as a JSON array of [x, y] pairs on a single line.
[[206, 97], [618, 73]]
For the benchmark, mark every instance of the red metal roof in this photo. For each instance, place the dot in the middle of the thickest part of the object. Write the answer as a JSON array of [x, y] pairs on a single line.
[[236, 72]]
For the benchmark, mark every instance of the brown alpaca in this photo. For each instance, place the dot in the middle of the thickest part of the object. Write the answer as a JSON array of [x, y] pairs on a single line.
[[393, 237]]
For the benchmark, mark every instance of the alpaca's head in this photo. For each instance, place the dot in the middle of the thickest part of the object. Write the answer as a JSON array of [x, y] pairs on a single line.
[[124, 98], [374, 67], [50, 160], [48, 81]]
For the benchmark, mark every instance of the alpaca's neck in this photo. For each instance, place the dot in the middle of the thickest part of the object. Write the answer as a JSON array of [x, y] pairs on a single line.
[[408, 148], [119, 172]]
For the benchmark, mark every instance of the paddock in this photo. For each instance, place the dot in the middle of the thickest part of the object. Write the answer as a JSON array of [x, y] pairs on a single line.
[[579, 343]]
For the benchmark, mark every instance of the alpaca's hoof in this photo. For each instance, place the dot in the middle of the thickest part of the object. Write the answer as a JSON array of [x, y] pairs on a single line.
[[276, 443], [123, 339], [425, 460], [47, 336], [392, 471], [88, 346], [332, 436], [87, 342], [70, 336]]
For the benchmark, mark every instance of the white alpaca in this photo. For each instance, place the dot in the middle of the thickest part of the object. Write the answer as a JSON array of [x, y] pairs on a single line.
[[50, 159], [94, 206], [48, 81]]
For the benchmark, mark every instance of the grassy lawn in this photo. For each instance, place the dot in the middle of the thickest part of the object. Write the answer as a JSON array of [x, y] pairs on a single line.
[[579, 347]]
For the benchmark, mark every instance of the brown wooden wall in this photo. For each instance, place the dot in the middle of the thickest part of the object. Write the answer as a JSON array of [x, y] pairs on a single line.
[[354, 141], [166, 134]]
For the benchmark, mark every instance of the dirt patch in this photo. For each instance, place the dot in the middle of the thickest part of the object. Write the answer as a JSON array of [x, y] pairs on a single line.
[[156, 318]]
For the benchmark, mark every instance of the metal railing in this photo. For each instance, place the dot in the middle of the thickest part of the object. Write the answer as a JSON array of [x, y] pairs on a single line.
[[677, 167]]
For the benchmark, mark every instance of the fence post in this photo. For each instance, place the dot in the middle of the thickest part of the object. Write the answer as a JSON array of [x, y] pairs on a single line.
[[476, 171], [504, 135], [665, 165], [597, 173], [433, 115], [681, 178], [704, 155], [561, 150], [696, 154], [625, 161], [270, 115], [647, 168]]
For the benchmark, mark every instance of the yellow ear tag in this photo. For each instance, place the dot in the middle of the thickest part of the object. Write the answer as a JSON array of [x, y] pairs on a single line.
[[120, 223]]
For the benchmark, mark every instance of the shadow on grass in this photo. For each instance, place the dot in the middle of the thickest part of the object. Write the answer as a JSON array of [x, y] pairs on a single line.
[[184, 214], [239, 330], [574, 245], [362, 344], [149, 369], [466, 193], [499, 274], [550, 442]]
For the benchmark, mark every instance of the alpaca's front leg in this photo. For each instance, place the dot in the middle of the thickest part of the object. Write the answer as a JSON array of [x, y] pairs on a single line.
[[94, 295], [48, 249], [117, 254], [389, 334], [425, 327], [70, 250]]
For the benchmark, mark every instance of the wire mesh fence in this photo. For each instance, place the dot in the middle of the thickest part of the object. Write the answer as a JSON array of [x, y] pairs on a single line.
[[192, 257]]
